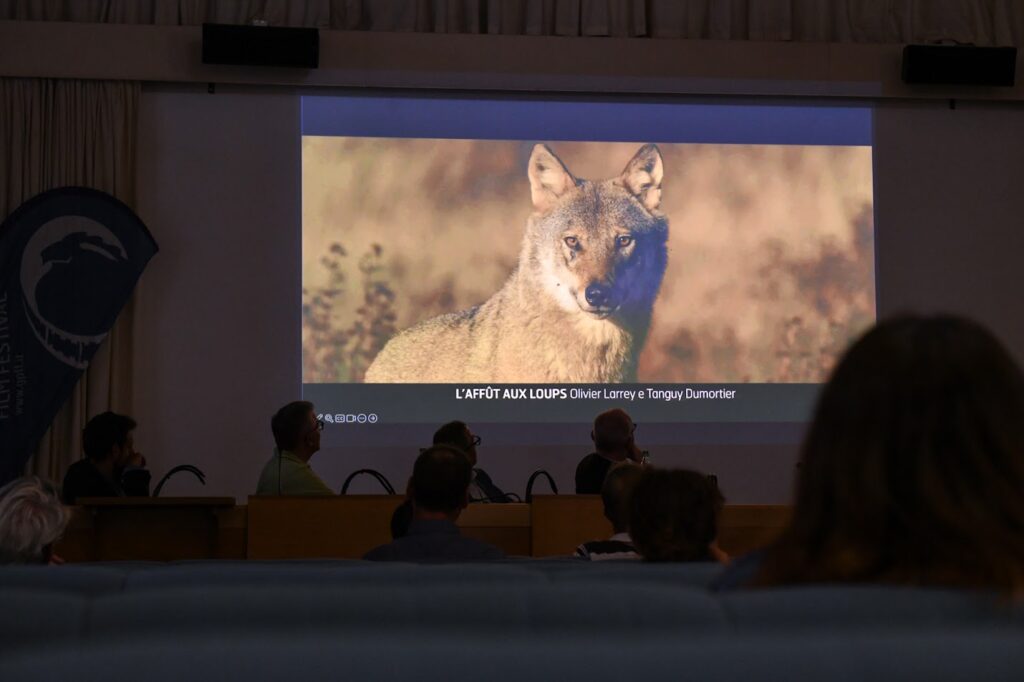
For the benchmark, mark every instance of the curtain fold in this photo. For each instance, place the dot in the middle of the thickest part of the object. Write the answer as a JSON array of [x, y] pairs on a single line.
[[57, 133], [983, 22]]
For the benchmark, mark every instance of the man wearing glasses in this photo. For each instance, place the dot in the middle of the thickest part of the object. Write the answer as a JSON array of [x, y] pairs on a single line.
[[613, 442], [297, 437], [481, 487]]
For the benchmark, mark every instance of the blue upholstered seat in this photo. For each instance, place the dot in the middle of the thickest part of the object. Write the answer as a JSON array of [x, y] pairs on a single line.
[[76, 579], [836, 607], [612, 657], [33, 618], [499, 609]]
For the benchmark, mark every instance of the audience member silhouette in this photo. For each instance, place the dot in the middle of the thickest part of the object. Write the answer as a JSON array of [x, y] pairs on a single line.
[[615, 494], [613, 443], [439, 489], [912, 470], [297, 438], [673, 516], [32, 518], [481, 488], [111, 466]]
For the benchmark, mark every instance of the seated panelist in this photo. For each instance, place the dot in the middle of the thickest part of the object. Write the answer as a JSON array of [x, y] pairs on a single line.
[[297, 438], [481, 487], [613, 443], [111, 466]]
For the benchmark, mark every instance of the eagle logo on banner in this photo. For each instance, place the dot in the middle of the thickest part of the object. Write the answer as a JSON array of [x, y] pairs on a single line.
[[69, 260]]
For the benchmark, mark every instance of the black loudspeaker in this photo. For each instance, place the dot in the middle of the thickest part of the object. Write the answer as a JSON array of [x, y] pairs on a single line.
[[959, 65], [261, 46]]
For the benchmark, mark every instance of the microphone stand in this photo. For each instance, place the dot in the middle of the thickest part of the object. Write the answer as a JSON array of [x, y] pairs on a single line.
[[195, 471], [533, 477], [384, 482]]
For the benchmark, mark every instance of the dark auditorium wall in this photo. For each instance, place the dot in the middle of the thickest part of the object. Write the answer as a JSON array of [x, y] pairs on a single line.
[[218, 322]]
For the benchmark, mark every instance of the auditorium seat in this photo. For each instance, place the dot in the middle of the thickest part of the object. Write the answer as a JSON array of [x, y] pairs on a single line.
[[330, 574], [630, 572], [837, 607], [496, 608], [613, 657], [71, 578], [32, 618]]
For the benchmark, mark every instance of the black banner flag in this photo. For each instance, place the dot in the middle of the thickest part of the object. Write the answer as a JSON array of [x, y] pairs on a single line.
[[69, 260]]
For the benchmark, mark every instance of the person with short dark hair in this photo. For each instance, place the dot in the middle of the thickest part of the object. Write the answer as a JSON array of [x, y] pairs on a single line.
[[296, 432], [439, 490], [673, 516], [481, 488], [615, 494], [111, 466], [613, 443], [32, 519], [912, 469]]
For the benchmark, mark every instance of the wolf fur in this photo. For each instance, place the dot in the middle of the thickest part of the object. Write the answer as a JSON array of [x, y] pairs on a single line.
[[577, 308]]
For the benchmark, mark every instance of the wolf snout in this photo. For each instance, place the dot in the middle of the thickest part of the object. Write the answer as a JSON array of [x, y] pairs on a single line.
[[598, 295]]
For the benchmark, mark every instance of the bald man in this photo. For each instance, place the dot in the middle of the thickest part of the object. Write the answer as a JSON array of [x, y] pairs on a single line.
[[613, 443]]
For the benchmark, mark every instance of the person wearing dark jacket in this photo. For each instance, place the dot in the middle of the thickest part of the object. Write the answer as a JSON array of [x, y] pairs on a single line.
[[439, 490], [111, 466]]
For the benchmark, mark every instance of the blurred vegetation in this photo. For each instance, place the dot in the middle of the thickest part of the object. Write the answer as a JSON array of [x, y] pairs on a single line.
[[333, 351]]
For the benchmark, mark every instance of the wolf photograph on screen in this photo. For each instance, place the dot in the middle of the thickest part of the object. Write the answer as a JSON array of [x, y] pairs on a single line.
[[577, 306], [482, 261]]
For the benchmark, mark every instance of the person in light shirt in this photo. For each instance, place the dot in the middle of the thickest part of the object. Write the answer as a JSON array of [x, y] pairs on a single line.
[[297, 438]]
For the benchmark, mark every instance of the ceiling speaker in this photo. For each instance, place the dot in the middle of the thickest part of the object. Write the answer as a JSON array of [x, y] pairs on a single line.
[[959, 65], [261, 46]]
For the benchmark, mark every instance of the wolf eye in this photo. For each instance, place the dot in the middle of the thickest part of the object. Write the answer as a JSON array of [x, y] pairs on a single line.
[[571, 242], [622, 241]]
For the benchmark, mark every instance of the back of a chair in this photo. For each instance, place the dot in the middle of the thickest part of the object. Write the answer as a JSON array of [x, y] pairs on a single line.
[[389, 608], [849, 607], [612, 657], [614, 573], [330, 574], [72, 578], [33, 618]]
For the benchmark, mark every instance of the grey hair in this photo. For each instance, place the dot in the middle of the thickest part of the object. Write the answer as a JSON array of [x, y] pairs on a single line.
[[32, 518]]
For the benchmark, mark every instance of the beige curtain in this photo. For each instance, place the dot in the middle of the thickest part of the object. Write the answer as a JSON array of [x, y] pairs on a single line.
[[56, 133], [984, 22]]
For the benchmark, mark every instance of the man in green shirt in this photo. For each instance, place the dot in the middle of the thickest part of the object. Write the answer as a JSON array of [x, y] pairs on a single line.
[[297, 436]]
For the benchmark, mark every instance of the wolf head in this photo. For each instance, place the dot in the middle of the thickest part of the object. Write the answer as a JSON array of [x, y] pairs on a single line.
[[599, 246]]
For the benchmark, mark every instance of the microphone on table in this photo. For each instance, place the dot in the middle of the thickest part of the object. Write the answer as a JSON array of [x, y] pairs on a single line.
[[533, 477], [384, 482], [195, 471]]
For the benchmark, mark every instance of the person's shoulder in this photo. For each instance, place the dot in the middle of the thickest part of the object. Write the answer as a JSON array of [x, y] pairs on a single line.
[[590, 473], [78, 468], [80, 472], [478, 549], [382, 552], [82, 479], [739, 573]]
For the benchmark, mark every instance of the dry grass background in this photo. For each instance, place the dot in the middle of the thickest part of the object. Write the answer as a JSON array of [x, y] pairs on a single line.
[[771, 254]]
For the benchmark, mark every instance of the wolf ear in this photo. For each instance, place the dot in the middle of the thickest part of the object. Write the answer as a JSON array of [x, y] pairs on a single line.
[[642, 176], [549, 178]]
